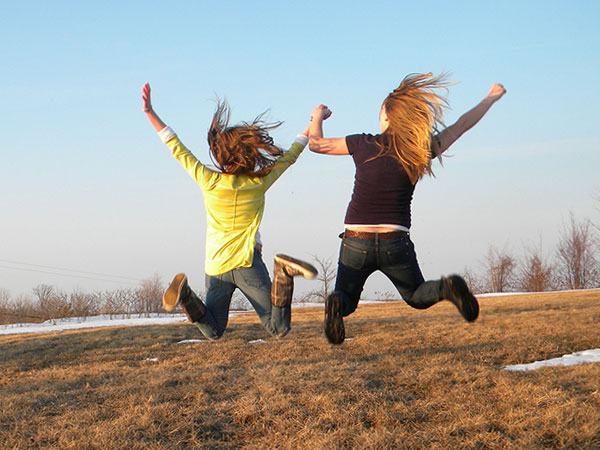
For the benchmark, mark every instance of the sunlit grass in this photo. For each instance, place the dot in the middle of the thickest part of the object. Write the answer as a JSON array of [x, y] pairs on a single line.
[[403, 379]]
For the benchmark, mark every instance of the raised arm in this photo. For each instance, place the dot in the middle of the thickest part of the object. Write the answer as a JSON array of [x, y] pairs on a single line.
[[285, 161], [449, 135], [147, 107], [185, 157], [316, 142]]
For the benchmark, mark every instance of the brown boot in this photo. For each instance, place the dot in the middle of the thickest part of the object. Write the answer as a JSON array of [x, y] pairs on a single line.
[[334, 323], [179, 292], [295, 267], [285, 268], [282, 288]]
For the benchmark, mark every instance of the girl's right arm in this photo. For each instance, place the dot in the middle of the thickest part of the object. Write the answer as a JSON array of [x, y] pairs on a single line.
[[152, 116], [185, 157], [316, 142]]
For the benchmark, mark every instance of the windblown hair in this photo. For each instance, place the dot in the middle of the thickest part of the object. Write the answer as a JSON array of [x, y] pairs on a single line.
[[414, 112], [244, 149]]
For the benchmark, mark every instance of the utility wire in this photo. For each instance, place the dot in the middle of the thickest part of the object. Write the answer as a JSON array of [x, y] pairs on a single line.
[[73, 273]]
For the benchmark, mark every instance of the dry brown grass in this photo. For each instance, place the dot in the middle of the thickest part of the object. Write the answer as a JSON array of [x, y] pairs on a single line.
[[407, 379]]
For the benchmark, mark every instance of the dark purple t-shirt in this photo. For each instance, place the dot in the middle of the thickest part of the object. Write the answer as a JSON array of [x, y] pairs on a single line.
[[382, 190]]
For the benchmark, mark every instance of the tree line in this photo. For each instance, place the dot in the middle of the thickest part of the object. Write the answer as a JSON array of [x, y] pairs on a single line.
[[575, 264], [48, 302]]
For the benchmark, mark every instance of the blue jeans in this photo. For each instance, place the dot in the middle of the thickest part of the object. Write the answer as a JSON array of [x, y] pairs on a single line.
[[396, 258], [255, 284]]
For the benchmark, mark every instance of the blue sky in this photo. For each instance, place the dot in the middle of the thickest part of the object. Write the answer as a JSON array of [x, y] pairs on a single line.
[[88, 186]]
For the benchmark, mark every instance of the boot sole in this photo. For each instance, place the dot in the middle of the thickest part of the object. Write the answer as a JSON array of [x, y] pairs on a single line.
[[334, 324], [307, 270], [171, 296]]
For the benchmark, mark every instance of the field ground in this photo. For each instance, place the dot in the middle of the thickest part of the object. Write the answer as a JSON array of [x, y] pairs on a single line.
[[404, 379]]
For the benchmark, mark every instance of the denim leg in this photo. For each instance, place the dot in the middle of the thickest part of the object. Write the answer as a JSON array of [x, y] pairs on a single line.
[[255, 284], [281, 320], [426, 295], [356, 264], [399, 263], [218, 298]]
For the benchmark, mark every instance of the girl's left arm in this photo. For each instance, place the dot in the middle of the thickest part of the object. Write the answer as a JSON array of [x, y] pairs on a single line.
[[316, 142], [285, 161], [449, 135]]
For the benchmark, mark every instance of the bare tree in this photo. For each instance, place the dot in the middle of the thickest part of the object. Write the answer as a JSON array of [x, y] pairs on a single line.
[[577, 256], [51, 304], [149, 295], [109, 303], [597, 198], [18, 310], [536, 275], [500, 267], [5, 310], [238, 301], [327, 272], [83, 304], [386, 295], [474, 281], [25, 305], [119, 301], [44, 293]]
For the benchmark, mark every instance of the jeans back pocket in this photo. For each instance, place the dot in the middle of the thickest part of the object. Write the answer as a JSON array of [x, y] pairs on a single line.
[[352, 256], [399, 252]]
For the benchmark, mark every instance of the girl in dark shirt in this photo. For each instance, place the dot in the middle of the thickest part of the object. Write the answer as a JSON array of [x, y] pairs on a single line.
[[377, 223]]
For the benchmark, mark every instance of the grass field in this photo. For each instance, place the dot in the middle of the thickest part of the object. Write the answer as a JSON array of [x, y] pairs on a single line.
[[404, 379]]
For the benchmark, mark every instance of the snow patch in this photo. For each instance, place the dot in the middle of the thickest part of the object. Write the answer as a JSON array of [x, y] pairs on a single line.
[[192, 341], [584, 357], [77, 323]]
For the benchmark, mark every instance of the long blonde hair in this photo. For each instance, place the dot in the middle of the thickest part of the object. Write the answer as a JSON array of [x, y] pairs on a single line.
[[414, 112]]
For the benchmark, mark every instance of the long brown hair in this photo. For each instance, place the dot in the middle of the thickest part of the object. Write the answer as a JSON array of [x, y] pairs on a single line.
[[244, 149], [414, 112]]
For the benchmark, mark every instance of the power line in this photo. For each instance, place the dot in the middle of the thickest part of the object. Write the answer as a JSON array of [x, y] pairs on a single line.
[[72, 273], [68, 275]]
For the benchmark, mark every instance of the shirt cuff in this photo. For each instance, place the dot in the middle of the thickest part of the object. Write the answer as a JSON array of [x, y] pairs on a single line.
[[258, 240], [302, 140], [165, 134]]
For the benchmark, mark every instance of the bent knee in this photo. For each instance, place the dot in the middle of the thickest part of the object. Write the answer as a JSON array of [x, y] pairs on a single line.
[[208, 332]]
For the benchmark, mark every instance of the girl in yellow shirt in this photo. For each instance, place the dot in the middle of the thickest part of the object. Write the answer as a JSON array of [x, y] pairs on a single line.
[[234, 197]]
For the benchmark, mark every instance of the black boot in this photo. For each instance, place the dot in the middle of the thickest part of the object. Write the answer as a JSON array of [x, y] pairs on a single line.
[[456, 290], [179, 292]]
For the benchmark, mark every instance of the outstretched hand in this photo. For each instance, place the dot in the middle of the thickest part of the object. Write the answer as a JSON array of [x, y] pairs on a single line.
[[496, 92], [156, 122], [146, 98], [321, 112]]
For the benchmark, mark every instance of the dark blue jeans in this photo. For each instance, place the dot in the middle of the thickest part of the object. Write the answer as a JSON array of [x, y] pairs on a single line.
[[396, 258], [255, 284]]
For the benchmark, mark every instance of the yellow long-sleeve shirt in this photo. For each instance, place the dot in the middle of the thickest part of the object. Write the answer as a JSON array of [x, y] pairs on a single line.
[[234, 204]]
